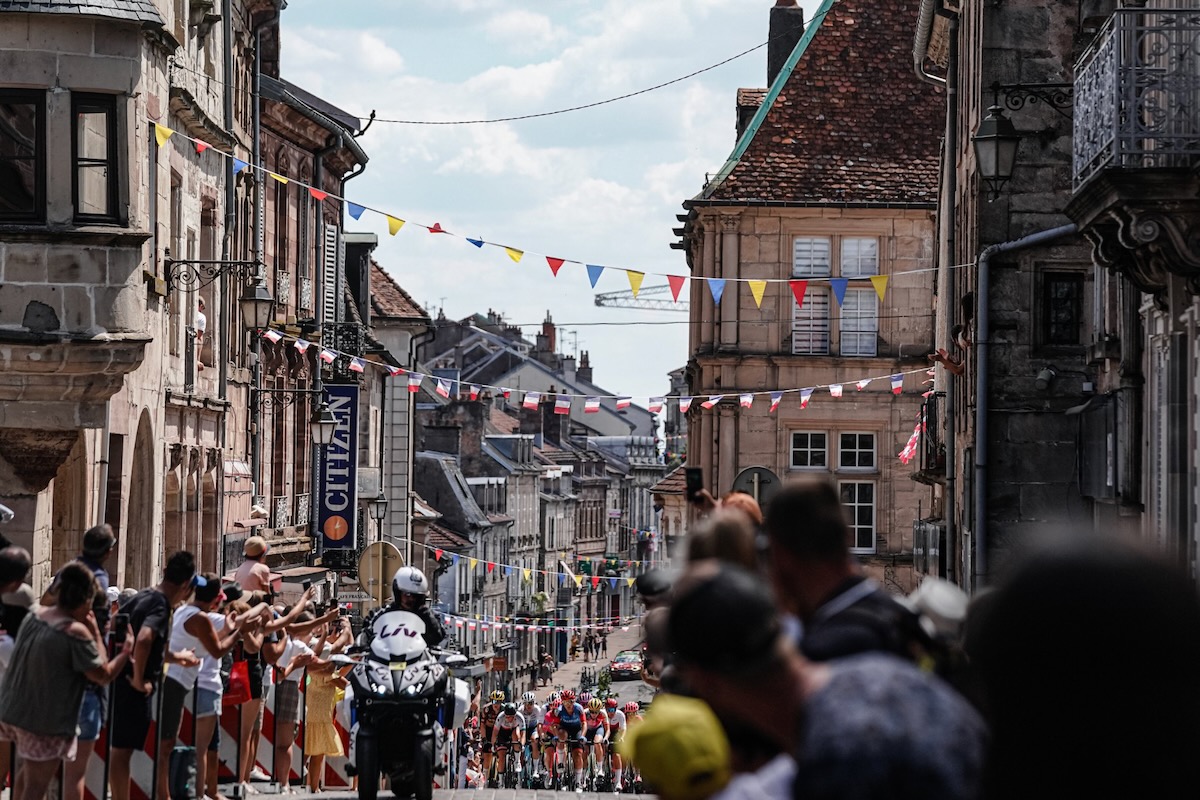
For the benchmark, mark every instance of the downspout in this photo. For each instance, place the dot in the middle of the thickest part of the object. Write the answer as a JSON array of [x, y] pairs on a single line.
[[982, 346], [226, 255], [925, 15], [948, 283]]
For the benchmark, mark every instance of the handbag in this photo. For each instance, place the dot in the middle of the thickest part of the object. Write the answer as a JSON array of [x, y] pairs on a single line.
[[238, 691], [182, 775]]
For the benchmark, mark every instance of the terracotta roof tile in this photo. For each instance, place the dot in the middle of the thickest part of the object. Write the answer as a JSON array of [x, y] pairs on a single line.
[[675, 482], [439, 536], [503, 422], [853, 123], [389, 300]]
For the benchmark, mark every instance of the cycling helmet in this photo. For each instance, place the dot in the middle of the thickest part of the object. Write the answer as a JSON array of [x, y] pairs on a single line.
[[595, 704], [409, 580], [510, 709], [473, 722], [568, 696], [611, 703], [528, 698], [632, 707], [553, 697], [497, 696], [585, 698]]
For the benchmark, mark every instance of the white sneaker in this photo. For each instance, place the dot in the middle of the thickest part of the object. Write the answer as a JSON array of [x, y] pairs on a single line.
[[247, 789], [257, 774]]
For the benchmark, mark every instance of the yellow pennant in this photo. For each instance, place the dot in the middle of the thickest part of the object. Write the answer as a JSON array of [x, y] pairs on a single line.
[[279, 178], [395, 225], [514, 253], [757, 288], [161, 134], [474, 561], [635, 281], [578, 581], [527, 574], [629, 581], [880, 284]]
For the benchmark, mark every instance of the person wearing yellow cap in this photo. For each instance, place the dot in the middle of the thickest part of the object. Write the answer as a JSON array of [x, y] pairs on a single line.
[[680, 749]]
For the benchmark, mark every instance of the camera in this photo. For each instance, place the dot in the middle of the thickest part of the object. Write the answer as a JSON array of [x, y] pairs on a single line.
[[120, 629]]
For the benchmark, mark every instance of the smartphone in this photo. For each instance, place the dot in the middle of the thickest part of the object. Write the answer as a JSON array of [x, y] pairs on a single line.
[[694, 477], [306, 584], [120, 629]]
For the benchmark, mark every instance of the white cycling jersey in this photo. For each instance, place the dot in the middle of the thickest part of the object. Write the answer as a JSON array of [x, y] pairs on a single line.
[[616, 721], [533, 714], [506, 723]]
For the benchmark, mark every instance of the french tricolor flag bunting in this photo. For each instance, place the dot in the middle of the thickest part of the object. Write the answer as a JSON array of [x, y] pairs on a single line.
[[864, 383], [327, 355], [506, 392], [591, 405], [656, 404], [274, 337], [805, 394], [301, 345], [473, 393], [562, 404], [532, 399], [414, 382], [897, 383], [623, 402], [357, 364], [684, 404], [746, 400], [712, 400], [394, 371], [775, 398], [443, 387], [835, 390]]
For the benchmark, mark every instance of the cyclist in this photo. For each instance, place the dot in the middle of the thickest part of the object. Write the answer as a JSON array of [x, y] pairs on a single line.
[[616, 728], [533, 714], [570, 726], [550, 734], [487, 723], [595, 723], [509, 726], [633, 716]]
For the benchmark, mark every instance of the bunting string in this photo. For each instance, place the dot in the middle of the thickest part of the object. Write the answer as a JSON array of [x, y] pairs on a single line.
[[534, 624]]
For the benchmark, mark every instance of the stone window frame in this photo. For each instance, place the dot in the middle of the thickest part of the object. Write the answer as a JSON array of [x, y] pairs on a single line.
[[819, 296], [37, 98], [93, 102], [843, 450], [860, 533], [810, 450]]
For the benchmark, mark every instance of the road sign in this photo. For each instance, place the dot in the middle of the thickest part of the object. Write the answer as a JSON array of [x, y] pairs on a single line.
[[355, 597], [376, 566]]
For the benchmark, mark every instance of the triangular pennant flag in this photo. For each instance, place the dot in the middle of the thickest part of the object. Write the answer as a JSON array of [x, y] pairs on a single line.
[[491, 565], [864, 383], [684, 404], [578, 581], [239, 165], [357, 364], [394, 225], [798, 290], [394, 371], [757, 288], [317, 194], [676, 282], [514, 254], [594, 273], [201, 147], [805, 394], [477, 242], [635, 281], [443, 387], [835, 390], [555, 264], [273, 337], [712, 400], [355, 210], [506, 392], [628, 582], [746, 401], [656, 404], [527, 574], [612, 583], [279, 178], [880, 284], [327, 355], [162, 133], [454, 559], [775, 398], [595, 581], [437, 554], [473, 562], [716, 286], [897, 383], [301, 345], [507, 572], [436, 228], [839, 288]]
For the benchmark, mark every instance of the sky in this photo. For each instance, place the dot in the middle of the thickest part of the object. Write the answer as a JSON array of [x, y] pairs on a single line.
[[599, 186]]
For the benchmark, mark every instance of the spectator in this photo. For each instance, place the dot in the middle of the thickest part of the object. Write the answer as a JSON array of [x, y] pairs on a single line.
[[726, 534], [57, 651], [817, 579], [680, 749], [321, 738], [14, 566], [868, 726], [254, 575], [150, 627], [295, 659]]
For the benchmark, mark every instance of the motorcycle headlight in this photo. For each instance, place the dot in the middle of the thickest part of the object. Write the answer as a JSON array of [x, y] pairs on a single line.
[[411, 690]]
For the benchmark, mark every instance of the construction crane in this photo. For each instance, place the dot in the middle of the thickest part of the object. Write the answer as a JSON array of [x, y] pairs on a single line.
[[650, 298]]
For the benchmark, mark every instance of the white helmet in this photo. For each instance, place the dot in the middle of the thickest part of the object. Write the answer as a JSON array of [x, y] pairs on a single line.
[[409, 580], [528, 698]]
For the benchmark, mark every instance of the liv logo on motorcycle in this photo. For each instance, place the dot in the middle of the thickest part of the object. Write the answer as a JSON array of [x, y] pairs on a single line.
[[404, 701]]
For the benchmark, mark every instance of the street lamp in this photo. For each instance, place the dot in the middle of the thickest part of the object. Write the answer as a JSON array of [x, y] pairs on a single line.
[[256, 304], [996, 149], [323, 425], [379, 507]]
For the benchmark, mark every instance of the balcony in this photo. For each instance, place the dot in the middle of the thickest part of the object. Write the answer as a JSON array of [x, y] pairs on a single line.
[[1137, 147], [931, 449]]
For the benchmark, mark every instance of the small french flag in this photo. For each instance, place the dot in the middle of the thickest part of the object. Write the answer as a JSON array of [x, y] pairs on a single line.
[[656, 404], [805, 394], [394, 371], [712, 400], [357, 364], [897, 383], [623, 402], [532, 399], [414, 382], [562, 404], [775, 398], [591, 405], [274, 337], [835, 390], [473, 393], [864, 383], [746, 400], [506, 392], [301, 345], [328, 355], [442, 388], [684, 404]]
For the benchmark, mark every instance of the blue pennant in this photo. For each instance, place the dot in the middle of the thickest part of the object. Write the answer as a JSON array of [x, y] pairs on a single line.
[[476, 242], [839, 288], [354, 209], [239, 165], [594, 272], [717, 287]]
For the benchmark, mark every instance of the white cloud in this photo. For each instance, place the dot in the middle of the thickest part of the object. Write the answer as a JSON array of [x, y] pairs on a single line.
[[523, 31], [377, 55]]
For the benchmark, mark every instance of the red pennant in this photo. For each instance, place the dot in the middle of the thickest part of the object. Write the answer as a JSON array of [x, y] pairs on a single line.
[[595, 581], [491, 565], [798, 290], [201, 147], [436, 228], [437, 554], [555, 264], [676, 282], [317, 194]]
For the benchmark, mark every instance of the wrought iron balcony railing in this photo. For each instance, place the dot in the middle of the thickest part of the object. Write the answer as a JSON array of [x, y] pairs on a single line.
[[1137, 94], [931, 452]]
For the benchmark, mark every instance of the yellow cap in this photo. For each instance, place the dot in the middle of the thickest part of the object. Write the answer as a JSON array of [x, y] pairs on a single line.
[[680, 747]]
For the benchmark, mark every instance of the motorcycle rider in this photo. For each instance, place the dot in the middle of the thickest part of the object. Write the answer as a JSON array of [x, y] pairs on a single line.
[[410, 592]]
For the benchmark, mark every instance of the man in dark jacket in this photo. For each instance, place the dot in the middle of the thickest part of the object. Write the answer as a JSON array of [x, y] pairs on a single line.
[[410, 592]]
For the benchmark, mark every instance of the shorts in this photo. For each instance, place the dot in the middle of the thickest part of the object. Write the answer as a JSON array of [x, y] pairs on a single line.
[[255, 671], [174, 694], [206, 703], [573, 738], [91, 716], [591, 733], [38, 747], [504, 737], [287, 702], [132, 713]]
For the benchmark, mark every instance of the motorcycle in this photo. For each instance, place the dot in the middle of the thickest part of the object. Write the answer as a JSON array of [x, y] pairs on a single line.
[[405, 700]]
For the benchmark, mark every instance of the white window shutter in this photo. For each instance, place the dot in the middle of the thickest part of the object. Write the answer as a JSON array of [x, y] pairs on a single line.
[[331, 278]]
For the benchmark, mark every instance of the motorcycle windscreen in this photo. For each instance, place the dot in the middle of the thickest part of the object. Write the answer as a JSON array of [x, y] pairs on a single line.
[[398, 637]]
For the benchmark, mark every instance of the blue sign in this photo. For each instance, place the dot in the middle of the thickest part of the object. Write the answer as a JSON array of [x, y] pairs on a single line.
[[337, 473]]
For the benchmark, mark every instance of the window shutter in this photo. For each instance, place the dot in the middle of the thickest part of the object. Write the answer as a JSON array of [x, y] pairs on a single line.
[[810, 323], [859, 323], [331, 279]]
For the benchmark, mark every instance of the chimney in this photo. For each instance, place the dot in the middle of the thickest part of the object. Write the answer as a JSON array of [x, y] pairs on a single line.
[[568, 368], [786, 28], [584, 372], [531, 422], [548, 332]]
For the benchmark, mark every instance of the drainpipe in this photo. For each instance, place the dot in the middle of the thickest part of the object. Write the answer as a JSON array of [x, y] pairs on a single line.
[[948, 283], [982, 346], [925, 15]]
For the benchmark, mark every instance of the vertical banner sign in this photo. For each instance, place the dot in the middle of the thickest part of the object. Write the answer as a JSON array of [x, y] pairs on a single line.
[[337, 466]]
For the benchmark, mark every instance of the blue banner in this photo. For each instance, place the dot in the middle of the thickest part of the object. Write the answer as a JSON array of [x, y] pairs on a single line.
[[337, 473]]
